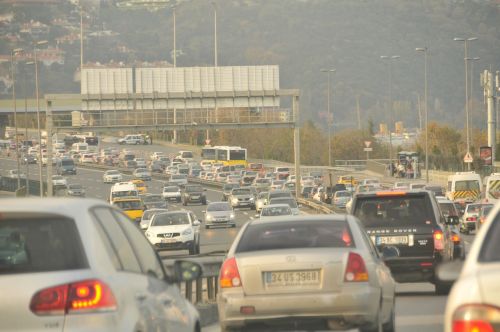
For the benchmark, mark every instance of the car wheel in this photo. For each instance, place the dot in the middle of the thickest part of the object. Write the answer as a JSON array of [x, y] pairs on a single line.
[[178, 200], [390, 326], [376, 327], [207, 226], [192, 249], [204, 202], [442, 288]]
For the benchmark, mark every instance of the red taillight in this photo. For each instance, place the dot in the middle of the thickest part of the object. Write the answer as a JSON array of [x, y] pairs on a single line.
[[355, 269], [470, 219], [88, 295], [438, 240], [455, 238], [476, 318], [229, 275]]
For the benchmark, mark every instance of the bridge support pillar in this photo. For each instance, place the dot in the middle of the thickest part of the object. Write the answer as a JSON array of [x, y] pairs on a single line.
[[4, 121]]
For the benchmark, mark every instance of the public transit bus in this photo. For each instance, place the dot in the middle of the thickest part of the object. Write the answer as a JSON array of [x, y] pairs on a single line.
[[227, 155]]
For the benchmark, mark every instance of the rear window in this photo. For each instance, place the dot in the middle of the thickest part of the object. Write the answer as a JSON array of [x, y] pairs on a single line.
[[490, 251], [295, 234], [383, 211], [39, 244]]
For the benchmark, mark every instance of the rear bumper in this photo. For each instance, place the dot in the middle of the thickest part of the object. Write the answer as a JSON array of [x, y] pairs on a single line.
[[413, 269], [355, 306]]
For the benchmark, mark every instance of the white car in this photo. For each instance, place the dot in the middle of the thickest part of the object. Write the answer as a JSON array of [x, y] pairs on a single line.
[[58, 180], [275, 210], [97, 272], [175, 230], [401, 185], [87, 158], [112, 176], [171, 193], [132, 139], [14, 175], [178, 179], [474, 301]]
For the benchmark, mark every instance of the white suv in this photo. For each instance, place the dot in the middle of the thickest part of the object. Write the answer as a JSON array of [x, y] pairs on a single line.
[[175, 230], [132, 139]]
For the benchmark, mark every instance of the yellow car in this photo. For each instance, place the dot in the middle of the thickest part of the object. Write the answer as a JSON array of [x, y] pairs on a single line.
[[346, 179], [140, 185], [131, 206]]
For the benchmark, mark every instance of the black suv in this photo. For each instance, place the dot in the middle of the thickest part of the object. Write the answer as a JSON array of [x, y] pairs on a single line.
[[412, 226], [194, 193]]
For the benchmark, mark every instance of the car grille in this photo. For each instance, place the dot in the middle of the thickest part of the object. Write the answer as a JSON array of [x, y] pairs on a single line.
[[243, 199], [168, 235]]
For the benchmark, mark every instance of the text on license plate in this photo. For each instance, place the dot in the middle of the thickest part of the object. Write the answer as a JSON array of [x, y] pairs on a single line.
[[392, 240], [168, 240], [292, 278]]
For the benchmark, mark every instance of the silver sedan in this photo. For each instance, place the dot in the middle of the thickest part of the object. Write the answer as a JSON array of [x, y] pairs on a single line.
[[305, 272], [81, 265]]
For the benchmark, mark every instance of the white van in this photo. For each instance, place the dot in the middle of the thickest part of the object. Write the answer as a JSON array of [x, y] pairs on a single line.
[[123, 189], [492, 191], [80, 147], [464, 187]]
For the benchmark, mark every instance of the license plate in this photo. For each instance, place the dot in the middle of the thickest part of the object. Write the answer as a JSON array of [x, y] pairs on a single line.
[[292, 278], [167, 240], [392, 240], [195, 197]]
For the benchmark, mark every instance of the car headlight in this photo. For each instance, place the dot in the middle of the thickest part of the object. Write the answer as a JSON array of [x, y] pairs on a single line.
[[234, 200], [209, 217], [252, 199], [187, 231], [231, 216]]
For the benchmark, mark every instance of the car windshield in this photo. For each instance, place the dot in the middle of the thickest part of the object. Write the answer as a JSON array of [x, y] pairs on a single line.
[[473, 208], [241, 192], [190, 189], [290, 201], [170, 219], [276, 211], [219, 207], [128, 205], [294, 235], [448, 209], [178, 177], [148, 214], [171, 189], [75, 186], [383, 211], [342, 194], [113, 173]]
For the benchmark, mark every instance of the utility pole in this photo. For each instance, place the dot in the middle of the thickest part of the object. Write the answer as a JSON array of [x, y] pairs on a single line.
[[357, 111], [13, 53], [81, 42], [488, 85], [175, 66]]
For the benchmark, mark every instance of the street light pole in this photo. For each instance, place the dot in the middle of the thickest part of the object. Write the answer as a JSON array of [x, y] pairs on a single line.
[[40, 166], [175, 66], [215, 63], [26, 132], [465, 41], [425, 50], [13, 53], [471, 96], [329, 116], [391, 116]]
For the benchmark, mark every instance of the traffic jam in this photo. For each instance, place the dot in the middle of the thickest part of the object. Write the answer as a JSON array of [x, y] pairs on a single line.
[[288, 267]]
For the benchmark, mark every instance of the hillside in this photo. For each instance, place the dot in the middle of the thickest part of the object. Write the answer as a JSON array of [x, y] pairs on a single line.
[[304, 37]]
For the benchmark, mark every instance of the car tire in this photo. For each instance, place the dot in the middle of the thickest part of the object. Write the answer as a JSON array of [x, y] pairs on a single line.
[[442, 288], [390, 326], [204, 202], [377, 326], [193, 248], [207, 226]]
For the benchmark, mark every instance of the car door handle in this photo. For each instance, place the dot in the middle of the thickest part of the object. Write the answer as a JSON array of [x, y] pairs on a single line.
[[141, 297]]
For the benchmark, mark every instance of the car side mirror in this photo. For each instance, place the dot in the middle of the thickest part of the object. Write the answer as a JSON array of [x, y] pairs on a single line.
[[196, 223], [186, 271], [451, 220]]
